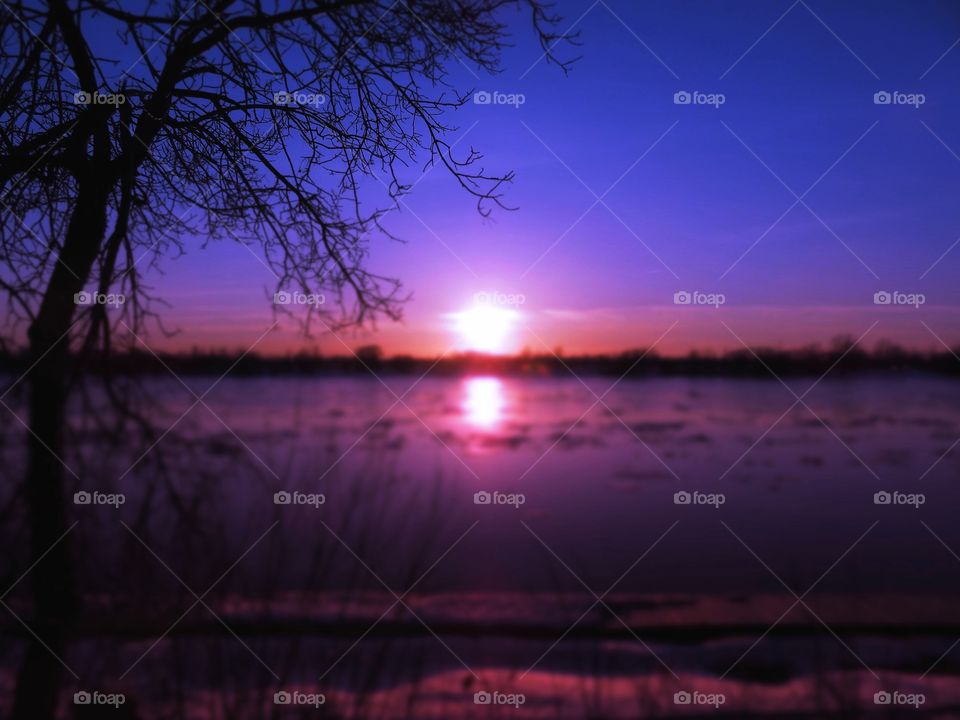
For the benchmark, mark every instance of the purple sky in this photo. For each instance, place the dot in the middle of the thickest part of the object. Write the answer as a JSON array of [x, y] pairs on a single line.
[[695, 197]]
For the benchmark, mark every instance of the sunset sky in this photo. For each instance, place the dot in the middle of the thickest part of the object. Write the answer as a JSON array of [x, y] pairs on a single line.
[[690, 192]]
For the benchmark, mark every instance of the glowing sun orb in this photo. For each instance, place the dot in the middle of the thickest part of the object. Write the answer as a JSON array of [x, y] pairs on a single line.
[[484, 328]]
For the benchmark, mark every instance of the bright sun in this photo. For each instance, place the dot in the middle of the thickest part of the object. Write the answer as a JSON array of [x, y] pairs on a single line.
[[485, 328]]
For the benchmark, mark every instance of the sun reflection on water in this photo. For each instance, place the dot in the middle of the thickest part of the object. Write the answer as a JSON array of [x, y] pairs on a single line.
[[483, 405]]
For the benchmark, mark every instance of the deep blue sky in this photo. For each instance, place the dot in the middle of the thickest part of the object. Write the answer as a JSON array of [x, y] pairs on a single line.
[[799, 98]]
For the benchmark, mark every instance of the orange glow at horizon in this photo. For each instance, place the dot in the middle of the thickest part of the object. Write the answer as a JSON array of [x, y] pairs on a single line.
[[435, 331]]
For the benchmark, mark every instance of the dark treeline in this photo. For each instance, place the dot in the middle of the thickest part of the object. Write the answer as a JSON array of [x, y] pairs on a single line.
[[813, 360]]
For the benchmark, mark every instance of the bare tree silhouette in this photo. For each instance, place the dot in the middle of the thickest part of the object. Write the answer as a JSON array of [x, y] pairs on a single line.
[[126, 134]]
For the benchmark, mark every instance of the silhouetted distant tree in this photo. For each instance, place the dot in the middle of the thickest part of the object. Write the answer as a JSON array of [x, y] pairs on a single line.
[[369, 355]]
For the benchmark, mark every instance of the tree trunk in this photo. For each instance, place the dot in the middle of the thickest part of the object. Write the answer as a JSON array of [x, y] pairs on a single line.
[[54, 591]]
